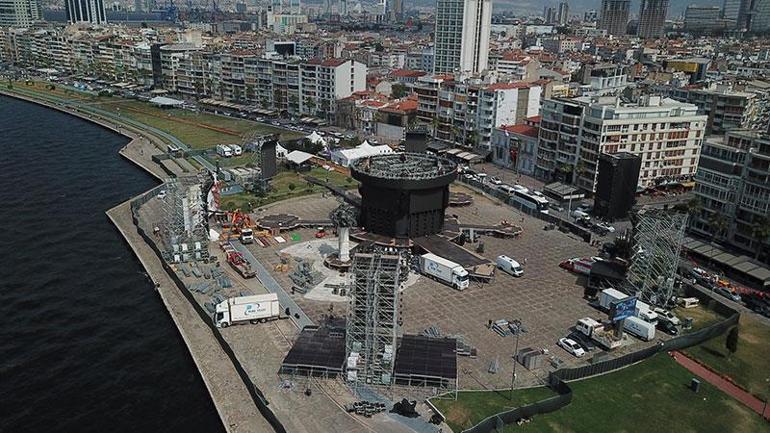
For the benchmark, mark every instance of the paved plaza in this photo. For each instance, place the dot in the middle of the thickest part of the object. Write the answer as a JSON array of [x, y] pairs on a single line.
[[547, 299]]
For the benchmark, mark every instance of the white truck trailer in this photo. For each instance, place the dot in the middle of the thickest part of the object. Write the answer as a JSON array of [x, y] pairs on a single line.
[[640, 328], [253, 309], [608, 296], [445, 271]]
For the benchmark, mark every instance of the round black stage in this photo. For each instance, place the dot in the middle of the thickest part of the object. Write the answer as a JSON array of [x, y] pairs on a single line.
[[403, 195]]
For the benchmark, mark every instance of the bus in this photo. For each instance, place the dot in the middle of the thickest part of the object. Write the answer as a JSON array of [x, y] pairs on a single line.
[[530, 199]]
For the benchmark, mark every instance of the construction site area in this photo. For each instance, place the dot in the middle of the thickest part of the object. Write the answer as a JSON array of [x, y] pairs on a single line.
[[352, 303]]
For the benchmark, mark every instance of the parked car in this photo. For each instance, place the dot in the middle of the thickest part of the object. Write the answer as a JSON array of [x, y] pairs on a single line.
[[667, 327], [572, 347], [728, 294], [667, 316], [579, 215], [494, 180], [607, 227], [583, 340]]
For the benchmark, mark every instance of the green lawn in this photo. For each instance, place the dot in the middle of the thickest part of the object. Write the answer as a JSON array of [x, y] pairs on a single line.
[[749, 365], [197, 137], [652, 396], [701, 316], [648, 397], [472, 407], [280, 188]]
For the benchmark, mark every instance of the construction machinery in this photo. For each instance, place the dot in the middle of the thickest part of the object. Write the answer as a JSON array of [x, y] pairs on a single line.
[[236, 260]]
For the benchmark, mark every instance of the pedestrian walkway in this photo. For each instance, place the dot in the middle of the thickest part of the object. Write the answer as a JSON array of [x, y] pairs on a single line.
[[723, 384], [298, 316]]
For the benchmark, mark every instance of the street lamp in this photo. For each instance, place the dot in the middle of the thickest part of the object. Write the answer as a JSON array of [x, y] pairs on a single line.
[[517, 329]]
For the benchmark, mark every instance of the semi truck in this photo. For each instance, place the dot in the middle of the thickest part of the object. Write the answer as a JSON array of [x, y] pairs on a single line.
[[445, 271], [252, 309], [599, 332]]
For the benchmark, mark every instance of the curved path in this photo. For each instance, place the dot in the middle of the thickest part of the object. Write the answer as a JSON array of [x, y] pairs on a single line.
[[723, 384]]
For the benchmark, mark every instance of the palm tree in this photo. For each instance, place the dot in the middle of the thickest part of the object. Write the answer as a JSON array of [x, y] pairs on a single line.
[[719, 225], [760, 230]]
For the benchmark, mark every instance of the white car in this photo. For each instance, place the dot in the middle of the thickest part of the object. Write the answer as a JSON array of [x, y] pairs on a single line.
[[494, 180], [607, 227], [572, 347], [665, 315]]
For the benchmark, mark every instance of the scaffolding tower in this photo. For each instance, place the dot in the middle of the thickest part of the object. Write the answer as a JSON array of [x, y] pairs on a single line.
[[373, 321], [184, 234], [658, 237]]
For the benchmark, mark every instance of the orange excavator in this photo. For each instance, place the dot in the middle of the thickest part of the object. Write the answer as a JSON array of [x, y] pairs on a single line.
[[236, 221]]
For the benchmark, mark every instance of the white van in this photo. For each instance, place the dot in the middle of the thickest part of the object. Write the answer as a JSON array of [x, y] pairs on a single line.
[[237, 150], [510, 266]]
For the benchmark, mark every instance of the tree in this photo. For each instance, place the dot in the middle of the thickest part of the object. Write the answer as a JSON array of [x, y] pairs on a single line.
[[690, 207], [719, 225], [760, 230], [732, 340], [399, 91], [292, 187]]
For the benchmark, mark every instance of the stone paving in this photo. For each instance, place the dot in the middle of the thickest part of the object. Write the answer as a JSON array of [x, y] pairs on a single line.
[[548, 299]]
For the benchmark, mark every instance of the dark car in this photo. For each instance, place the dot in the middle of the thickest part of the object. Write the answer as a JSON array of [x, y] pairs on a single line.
[[668, 327], [582, 340]]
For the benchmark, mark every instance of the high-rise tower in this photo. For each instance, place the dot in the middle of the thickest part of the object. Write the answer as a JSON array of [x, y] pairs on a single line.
[[652, 17], [462, 35], [614, 16], [85, 11]]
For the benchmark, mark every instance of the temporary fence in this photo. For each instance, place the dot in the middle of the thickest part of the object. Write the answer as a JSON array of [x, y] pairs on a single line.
[[557, 380], [259, 399]]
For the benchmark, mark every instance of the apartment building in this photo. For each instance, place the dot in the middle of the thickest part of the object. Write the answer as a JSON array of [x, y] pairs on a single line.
[[464, 112], [733, 181], [665, 133], [462, 35], [517, 67], [727, 109], [20, 13], [515, 147], [504, 104]]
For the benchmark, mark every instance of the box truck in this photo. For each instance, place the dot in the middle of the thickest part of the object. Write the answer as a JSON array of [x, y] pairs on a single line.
[[644, 312], [598, 332], [253, 309], [608, 296], [224, 151], [640, 328], [445, 271]]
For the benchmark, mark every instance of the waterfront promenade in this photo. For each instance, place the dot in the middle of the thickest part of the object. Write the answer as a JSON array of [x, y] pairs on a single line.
[[232, 399]]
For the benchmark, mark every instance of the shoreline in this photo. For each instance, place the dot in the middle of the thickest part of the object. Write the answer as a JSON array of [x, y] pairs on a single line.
[[229, 394]]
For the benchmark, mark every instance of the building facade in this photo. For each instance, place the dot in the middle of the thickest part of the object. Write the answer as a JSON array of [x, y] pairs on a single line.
[[614, 16], [666, 134], [733, 185], [19, 13], [652, 18], [461, 37], [515, 147], [85, 11]]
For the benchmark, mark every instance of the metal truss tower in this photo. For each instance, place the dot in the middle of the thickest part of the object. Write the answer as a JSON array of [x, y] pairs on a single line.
[[658, 237], [184, 234], [373, 320]]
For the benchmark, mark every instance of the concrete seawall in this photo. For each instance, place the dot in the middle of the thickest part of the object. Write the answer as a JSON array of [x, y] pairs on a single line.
[[232, 399]]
